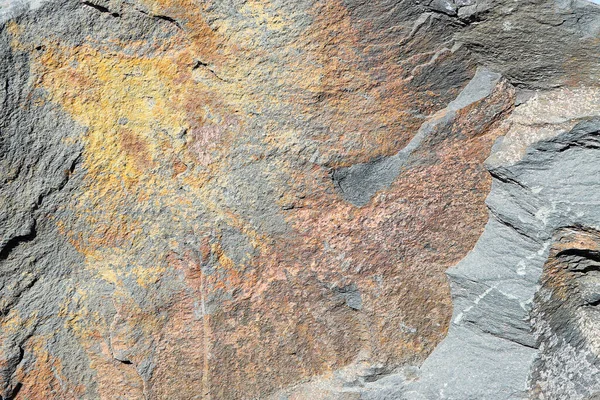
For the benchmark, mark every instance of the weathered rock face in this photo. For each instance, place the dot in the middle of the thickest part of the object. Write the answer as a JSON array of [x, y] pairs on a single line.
[[220, 200], [545, 174], [567, 317]]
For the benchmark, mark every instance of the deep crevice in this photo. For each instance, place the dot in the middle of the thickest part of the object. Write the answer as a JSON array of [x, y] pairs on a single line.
[[593, 304], [168, 19], [100, 8], [16, 241], [510, 225], [497, 174], [14, 393], [582, 253]]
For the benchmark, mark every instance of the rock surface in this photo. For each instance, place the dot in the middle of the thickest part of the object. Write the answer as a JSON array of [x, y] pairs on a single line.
[[260, 199]]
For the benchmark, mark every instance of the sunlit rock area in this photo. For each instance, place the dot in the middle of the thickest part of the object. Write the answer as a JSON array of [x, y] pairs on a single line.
[[310, 199]]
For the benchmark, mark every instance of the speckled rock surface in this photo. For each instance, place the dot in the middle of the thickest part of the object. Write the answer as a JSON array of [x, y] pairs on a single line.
[[260, 199]]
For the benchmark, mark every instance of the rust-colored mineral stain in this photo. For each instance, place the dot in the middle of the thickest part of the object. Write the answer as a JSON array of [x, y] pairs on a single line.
[[45, 379], [136, 149], [167, 135]]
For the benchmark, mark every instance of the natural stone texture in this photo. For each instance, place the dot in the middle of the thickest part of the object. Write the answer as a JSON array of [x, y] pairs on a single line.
[[545, 179], [538, 43], [494, 286], [202, 238], [358, 183], [566, 318], [225, 200]]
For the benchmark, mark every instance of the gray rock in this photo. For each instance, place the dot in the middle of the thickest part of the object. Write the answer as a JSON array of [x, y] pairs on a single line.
[[359, 183], [545, 178], [493, 346]]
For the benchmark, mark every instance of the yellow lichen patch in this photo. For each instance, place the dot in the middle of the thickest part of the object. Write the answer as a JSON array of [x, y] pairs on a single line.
[[147, 274], [123, 100], [78, 318], [262, 12], [14, 30], [132, 109], [12, 322], [109, 267]]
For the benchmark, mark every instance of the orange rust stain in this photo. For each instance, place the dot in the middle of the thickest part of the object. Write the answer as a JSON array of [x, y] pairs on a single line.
[[158, 123], [45, 379]]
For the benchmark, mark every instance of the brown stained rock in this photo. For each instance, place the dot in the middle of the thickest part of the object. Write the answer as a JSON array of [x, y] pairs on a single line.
[[216, 259], [299, 315]]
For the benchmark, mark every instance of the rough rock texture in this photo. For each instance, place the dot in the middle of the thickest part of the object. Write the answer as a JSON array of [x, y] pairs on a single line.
[[566, 318], [534, 195], [253, 199], [525, 320]]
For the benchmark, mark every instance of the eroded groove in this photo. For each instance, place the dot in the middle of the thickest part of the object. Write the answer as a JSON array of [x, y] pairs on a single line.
[[161, 17], [168, 19], [14, 393], [100, 8], [202, 64], [13, 365], [582, 253], [16, 241]]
